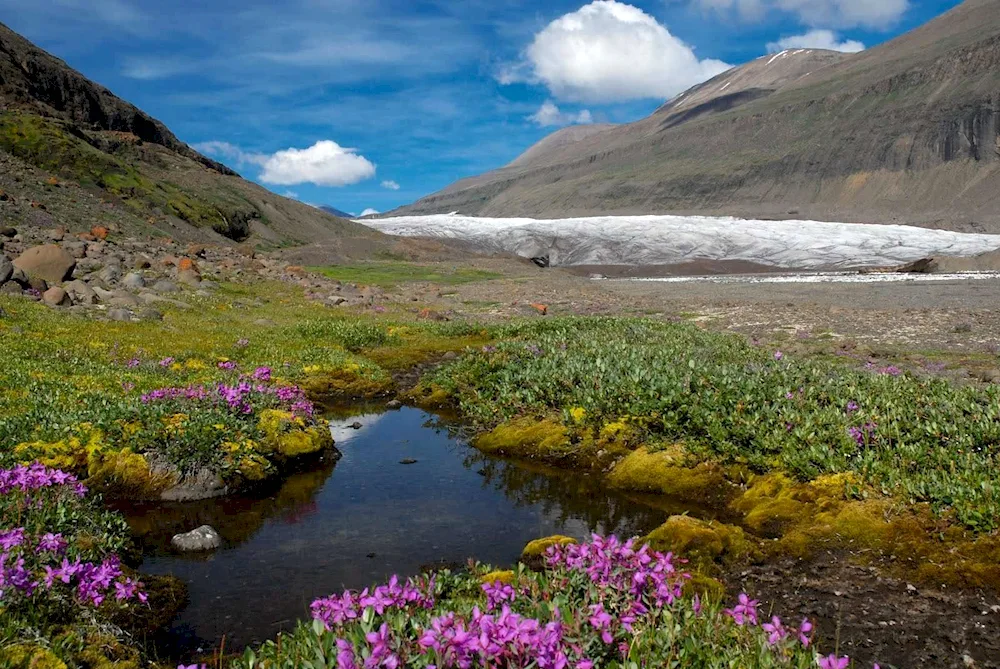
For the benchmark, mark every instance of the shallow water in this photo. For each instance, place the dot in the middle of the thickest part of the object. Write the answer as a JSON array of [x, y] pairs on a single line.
[[357, 521]]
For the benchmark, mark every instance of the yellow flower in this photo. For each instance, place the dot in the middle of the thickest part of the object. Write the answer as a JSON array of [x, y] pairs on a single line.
[[176, 367], [578, 413], [194, 363], [311, 369]]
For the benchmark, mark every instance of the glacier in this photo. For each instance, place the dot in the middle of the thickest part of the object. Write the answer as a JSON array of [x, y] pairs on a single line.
[[666, 240]]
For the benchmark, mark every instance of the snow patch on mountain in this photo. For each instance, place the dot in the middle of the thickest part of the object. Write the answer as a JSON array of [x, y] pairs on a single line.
[[664, 240]]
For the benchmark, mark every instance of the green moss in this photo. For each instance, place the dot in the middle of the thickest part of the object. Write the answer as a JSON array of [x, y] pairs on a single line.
[[706, 587], [664, 472], [287, 434], [506, 577], [704, 543], [29, 656], [538, 547], [429, 396], [545, 439], [346, 384]]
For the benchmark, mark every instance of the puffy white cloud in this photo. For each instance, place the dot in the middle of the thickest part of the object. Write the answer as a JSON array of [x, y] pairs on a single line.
[[389, 184], [325, 163], [370, 212], [816, 39], [550, 114], [875, 14], [610, 51]]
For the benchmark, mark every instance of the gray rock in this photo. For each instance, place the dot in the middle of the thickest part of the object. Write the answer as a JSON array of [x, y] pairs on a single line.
[[205, 538], [119, 314], [133, 281], [393, 404], [142, 262], [76, 249], [164, 286], [80, 292], [8, 232], [150, 315], [6, 269], [189, 278], [11, 288], [110, 275], [407, 461], [206, 284], [122, 299]]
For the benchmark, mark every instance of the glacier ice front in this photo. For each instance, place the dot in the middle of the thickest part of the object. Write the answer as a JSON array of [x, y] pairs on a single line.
[[665, 240]]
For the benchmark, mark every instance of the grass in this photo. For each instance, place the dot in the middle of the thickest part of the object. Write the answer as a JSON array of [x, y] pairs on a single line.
[[389, 274], [916, 438]]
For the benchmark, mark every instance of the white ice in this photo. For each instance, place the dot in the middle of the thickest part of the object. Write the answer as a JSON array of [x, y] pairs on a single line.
[[664, 240]]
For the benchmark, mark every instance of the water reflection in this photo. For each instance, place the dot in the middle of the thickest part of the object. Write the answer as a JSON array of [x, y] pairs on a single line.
[[365, 517]]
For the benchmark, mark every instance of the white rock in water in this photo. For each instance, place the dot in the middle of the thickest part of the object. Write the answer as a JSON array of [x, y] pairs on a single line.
[[666, 240], [205, 538]]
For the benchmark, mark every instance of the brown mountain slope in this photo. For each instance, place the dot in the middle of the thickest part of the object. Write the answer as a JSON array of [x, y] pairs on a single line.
[[905, 132], [74, 154]]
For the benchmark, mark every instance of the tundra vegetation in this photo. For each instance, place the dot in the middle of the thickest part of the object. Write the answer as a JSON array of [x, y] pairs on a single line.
[[800, 451]]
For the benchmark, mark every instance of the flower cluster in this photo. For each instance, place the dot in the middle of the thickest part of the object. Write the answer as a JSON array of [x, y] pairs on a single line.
[[33, 562], [336, 610], [864, 434], [240, 397]]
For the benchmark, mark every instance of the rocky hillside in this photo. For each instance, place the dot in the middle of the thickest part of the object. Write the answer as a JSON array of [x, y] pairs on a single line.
[[906, 132], [74, 155]]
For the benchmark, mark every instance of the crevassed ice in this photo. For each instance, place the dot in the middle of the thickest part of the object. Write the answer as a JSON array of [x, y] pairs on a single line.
[[663, 240]]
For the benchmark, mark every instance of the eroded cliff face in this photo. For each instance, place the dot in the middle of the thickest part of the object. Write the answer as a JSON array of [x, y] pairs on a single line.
[[33, 78]]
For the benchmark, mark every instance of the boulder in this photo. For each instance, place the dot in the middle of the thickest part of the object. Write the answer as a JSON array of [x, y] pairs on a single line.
[[110, 274], [76, 249], [164, 286], [81, 293], [8, 232], [119, 315], [189, 278], [48, 262], [6, 269], [134, 281], [11, 288], [56, 297], [204, 538]]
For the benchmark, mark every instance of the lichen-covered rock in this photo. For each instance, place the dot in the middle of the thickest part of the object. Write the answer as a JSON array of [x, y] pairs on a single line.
[[49, 262], [204, 538]]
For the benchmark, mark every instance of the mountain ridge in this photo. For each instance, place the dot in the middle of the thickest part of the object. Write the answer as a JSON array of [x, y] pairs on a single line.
[[903, 133]]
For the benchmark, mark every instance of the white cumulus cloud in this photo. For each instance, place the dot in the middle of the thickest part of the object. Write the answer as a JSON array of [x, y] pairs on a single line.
[[389, 184], [876, 14], [816, 39], [610, 51], [325, 163], [550, 114], [369, 212]]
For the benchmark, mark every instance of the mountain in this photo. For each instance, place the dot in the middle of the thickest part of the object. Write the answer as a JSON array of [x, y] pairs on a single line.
[[336, 212], [74, 154], [906, 132]]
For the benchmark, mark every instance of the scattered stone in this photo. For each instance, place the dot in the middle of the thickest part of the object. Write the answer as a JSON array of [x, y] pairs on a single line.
[[133, 281], [110, 274], [6, 269], [205, 538], [56, 235], [11, 288], [393, 404], [189, 278], [450, 355], [119, 314], [370, 556], [543, 309], [120, 298], [80, 292], [151, 315], [431, 315], [48, 262], [76, 249], [56, 297], [8, 232], [407, 461], [963, 328], [99, 232], [141, 262], [164, 286], [355, 425]]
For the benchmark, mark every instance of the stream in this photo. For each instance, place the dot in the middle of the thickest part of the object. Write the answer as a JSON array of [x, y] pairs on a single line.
[[354, 522]]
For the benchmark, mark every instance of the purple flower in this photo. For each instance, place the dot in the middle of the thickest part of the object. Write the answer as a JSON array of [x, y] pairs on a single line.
[[227, 365], [778, 355], [497, 593], [166, 362], [805, 632], [133, 363], [242, 343], [852, 406], [745, 610], [834, 662], [51, 543], [262, 374], [775, 631], [11, 538]]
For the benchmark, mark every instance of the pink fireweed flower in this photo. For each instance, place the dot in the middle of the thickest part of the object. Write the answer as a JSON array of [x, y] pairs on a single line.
[[601, 621], [778, 355], [262, 374], [227, 365], [166, 362], [133, 363], [775, 631], [242, 343], [497, 593], [51, 543], [834, 662], [11, 538], [805, 632], [745, 611]]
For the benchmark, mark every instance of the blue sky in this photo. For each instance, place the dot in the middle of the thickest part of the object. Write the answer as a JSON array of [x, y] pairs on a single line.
[[374, 103]]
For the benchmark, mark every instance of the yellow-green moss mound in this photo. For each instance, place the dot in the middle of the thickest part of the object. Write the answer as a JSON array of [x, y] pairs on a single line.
[[527, 438], [538, 547], [664, 472], [704, 543], [505, 577], [29, 656], [348, 382], [290, 436]]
